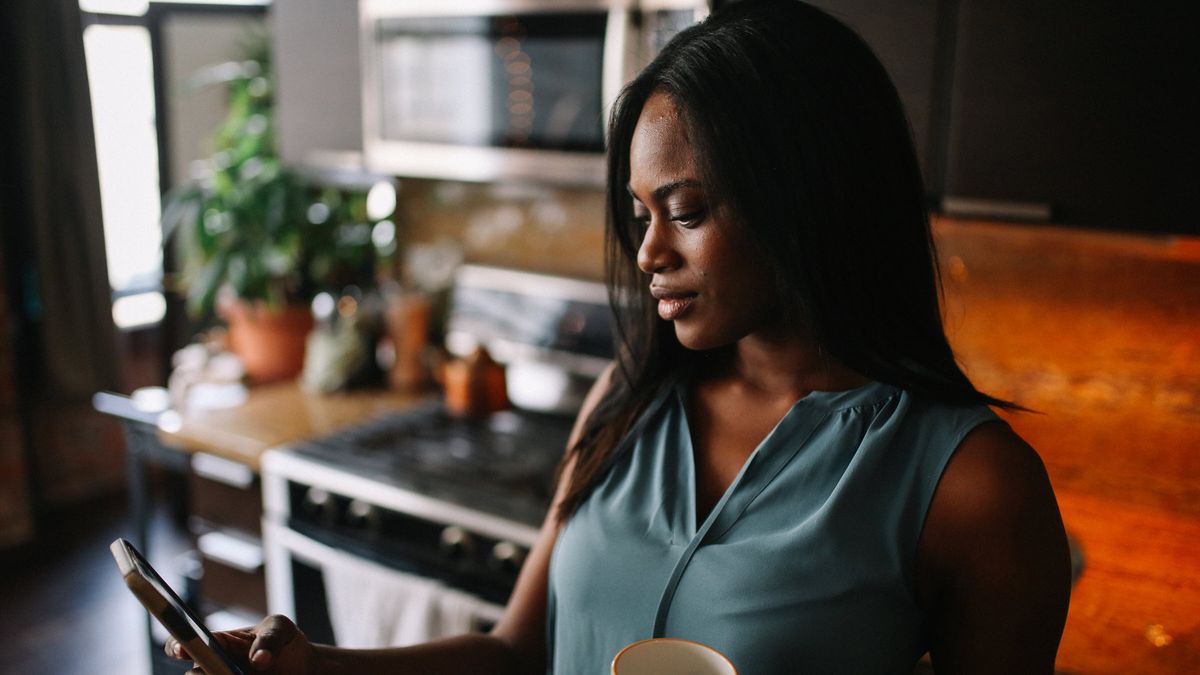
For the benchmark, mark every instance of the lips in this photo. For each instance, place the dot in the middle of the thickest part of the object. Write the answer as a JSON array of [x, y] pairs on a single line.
[[672, 303]]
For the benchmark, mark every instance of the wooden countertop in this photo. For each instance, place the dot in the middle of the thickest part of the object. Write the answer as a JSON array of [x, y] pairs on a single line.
[[1136, 609], [273, 415], [1100, 333]]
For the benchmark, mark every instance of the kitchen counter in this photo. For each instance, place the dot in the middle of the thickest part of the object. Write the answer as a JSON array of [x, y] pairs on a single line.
[[225, 503], [274, 414]]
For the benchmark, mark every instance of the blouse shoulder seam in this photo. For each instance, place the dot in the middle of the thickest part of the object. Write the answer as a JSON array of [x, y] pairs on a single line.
[[876, 403]]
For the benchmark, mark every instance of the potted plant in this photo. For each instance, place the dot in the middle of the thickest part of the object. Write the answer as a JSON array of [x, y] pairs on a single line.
[[255, 241]]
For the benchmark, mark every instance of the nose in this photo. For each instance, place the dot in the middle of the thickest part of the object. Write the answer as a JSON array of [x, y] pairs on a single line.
[[657, 254]]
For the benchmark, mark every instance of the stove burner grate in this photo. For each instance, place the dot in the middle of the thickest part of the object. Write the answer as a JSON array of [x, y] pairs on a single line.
[[514, 452]]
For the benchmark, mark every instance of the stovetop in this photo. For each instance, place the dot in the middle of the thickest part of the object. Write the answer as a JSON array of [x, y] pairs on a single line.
[[502, 464]]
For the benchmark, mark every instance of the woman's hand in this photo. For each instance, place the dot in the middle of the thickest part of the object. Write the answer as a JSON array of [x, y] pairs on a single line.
[[275, 645]]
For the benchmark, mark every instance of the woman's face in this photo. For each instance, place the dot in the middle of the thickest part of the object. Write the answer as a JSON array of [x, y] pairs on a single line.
[[702, 269]]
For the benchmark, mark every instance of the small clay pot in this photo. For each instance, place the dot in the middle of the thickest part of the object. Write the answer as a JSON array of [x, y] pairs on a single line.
[[475, 386], [269, 341]]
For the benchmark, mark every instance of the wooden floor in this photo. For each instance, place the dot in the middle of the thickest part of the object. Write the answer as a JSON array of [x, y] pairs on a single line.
[[65, 608]]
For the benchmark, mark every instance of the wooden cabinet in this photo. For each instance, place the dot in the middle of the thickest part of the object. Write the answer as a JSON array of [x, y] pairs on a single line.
[[1077, 112], [1088, 107], [225, 518]]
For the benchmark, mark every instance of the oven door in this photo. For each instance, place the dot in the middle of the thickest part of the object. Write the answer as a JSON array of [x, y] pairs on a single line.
[[351, 598]]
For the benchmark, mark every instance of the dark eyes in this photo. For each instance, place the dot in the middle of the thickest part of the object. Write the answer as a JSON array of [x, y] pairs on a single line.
[[687, 219]]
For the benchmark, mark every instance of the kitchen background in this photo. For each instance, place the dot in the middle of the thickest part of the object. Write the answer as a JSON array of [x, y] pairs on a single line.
[[1060, 147]]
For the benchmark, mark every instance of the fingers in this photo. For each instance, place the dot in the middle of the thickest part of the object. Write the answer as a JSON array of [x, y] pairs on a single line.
[[174, 649], [259, 644], [233, 641], [272, 634]]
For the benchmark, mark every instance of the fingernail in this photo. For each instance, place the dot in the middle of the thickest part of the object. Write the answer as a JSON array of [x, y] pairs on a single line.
[[261, 657], [176, 649]]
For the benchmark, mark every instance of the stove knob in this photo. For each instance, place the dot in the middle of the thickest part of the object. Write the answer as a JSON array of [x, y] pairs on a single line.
[[457, 543], [320, 504], [507, 557], [362, 514]]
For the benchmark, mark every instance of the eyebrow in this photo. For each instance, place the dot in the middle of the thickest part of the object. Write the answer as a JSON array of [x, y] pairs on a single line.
[[664, 190]]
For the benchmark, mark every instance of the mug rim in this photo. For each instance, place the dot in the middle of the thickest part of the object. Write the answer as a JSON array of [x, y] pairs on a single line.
[[672, 639]]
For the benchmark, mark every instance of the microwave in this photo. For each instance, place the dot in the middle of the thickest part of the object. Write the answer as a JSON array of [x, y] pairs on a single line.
[[503, 90]]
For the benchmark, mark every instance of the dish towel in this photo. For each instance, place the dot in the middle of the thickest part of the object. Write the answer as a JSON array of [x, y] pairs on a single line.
[[372, 606]]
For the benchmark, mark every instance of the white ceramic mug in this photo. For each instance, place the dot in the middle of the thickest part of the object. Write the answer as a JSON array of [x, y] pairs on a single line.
[[671, 656]]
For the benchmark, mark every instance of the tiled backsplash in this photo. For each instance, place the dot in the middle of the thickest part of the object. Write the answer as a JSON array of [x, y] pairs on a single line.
[[536, 228]]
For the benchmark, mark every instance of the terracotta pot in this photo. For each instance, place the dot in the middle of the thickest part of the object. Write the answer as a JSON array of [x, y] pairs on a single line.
[[475, 386], [269, 341]]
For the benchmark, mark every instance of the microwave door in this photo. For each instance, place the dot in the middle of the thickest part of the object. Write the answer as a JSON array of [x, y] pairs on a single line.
[[485, 97]]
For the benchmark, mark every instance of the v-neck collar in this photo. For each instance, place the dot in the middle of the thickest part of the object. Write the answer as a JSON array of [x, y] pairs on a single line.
[[820, 403], [689, 466], [760, 468], [789, 426]]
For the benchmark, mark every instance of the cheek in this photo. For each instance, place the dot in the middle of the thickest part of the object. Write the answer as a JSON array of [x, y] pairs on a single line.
[[740, 274], [750, 293]]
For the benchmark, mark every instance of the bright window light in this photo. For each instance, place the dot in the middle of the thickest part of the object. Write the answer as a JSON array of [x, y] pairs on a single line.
[[139, 7], [216, 2], [122, 89], [141, 309], [130, 7]]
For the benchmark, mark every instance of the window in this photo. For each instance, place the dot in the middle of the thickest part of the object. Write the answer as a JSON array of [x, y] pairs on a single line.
[[118, 48], [121, 79]]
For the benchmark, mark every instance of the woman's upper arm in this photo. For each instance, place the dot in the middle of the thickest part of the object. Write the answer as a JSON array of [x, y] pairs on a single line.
[[993, 568], [523, 626]]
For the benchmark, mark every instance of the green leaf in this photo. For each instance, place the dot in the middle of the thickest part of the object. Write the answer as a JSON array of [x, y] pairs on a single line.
[[202, 291], [178, 204]]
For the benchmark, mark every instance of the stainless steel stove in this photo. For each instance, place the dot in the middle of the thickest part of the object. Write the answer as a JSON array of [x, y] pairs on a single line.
[[502, 464], [449, 500]]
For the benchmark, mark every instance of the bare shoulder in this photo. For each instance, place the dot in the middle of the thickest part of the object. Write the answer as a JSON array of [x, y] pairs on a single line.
[[993, 568], [994, 491], [993, 477]]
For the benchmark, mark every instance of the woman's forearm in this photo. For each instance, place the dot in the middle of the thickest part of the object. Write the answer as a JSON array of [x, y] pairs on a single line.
[[476, 653]]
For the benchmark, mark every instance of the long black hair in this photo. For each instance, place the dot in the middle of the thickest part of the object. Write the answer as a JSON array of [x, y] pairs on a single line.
[[797, 128]]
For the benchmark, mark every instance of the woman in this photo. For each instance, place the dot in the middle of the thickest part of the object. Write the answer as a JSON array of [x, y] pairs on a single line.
[[785, 462]]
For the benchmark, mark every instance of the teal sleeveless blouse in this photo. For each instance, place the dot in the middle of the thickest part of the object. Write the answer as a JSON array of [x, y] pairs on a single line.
[[804, 566]]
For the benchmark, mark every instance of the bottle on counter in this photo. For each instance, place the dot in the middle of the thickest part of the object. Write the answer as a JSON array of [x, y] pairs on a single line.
[[407, 316]]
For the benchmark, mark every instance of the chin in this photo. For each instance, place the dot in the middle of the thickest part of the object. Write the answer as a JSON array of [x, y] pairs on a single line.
[[698, 341]]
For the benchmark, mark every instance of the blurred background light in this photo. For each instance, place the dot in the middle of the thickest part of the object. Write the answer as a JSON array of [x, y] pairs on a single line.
[[381, 200], [140, 309]]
